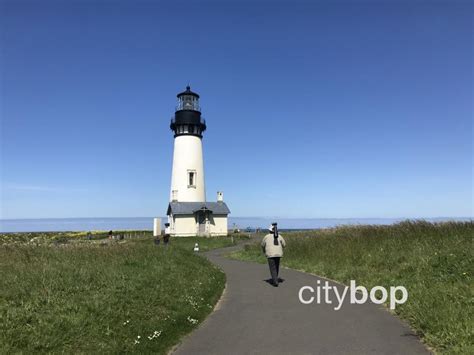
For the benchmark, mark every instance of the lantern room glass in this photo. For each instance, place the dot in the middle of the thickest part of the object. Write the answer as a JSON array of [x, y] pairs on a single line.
[[188, 102]]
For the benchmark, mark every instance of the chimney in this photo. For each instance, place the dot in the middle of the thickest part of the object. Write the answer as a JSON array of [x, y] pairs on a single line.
[[220, 196]]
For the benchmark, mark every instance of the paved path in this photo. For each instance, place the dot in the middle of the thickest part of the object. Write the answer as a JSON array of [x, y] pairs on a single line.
[[256, 318]]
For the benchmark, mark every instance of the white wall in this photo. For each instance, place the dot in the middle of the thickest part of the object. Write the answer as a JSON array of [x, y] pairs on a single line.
[[187, 155], [218, 225], [184, 226], [187, 226]]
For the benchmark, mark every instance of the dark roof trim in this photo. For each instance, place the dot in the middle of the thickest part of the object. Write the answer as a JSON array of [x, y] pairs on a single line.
[[189, 208], [188, 92]]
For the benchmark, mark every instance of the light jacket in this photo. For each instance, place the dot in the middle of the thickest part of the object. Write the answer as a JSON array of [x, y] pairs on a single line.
[[271, 250]]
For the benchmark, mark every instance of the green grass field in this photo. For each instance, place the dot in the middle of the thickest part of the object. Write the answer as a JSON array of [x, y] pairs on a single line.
[[435, 262], [100, 296]]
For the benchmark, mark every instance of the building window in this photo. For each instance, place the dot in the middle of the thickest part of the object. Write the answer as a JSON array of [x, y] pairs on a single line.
[[191, 178]]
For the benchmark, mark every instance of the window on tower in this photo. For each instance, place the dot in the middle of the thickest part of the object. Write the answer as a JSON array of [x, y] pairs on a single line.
[[191, 178]]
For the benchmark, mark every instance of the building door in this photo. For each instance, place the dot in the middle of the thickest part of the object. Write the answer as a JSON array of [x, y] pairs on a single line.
[[202, 222]]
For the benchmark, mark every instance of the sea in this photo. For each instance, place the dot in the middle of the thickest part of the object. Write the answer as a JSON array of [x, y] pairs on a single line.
[[146, 223]]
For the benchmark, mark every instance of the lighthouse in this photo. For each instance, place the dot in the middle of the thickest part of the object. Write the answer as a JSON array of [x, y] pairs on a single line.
[[187, 177], [189, 214]]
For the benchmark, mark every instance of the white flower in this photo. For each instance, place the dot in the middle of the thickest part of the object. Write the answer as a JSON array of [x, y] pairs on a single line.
[[192, 320], [155, 334]]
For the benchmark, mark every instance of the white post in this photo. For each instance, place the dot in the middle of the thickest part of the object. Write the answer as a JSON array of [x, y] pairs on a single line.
[[156, 227]]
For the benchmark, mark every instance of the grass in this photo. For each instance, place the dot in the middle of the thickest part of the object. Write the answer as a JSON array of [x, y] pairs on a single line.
[[66, 237], [100, 237], [98, 296], [206, 244], [434, 261]]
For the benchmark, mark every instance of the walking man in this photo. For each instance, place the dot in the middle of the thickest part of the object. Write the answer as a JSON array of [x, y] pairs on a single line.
[[167, 235], [272, 245]]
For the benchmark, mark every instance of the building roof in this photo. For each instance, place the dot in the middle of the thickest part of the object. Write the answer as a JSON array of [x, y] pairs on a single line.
[[177, 208]]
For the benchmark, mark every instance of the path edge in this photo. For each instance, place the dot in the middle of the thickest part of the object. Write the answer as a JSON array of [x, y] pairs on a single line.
[[217, 307]]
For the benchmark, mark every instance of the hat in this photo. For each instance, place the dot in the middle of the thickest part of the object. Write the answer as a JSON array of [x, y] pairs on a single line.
[[272, 227]]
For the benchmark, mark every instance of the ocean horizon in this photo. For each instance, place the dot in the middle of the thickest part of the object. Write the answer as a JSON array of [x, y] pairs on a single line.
[[146, 223]]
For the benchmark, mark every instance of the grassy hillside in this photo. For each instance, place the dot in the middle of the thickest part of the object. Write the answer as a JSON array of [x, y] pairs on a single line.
[[435, 262], [89, 297], [101, 238]]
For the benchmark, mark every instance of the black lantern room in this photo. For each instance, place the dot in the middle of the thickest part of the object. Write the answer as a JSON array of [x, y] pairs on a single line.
[[187, 118]]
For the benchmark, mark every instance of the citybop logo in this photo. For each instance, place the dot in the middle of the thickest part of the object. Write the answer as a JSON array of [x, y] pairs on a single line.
[[358, 294]]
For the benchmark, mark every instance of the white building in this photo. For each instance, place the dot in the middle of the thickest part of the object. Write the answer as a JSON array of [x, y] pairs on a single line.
[[188, 212]]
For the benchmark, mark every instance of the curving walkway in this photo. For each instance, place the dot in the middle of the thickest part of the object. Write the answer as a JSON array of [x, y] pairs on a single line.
[[255, 318]]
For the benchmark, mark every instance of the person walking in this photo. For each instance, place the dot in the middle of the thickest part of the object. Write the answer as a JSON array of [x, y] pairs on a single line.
[[167, 235], [272, 245]]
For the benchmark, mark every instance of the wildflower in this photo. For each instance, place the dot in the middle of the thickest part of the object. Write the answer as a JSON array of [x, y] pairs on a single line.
[[155, 334], [192, 320]]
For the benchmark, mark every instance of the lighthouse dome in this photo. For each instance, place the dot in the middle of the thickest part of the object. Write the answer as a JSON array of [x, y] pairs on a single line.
[[188, 92], [188, 100], [187, 118]]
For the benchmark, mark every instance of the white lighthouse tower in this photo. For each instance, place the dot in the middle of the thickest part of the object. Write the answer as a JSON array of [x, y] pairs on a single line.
[[188, 212], [187, 177]]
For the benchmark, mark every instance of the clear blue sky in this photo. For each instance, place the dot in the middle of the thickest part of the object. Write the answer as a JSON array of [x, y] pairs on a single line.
[[314, 109]]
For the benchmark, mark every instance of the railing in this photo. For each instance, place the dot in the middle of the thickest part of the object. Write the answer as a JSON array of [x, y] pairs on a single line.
[[194, 107], [203, 121]]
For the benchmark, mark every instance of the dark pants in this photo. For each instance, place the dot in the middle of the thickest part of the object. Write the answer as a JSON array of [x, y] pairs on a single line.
[[274, 264]]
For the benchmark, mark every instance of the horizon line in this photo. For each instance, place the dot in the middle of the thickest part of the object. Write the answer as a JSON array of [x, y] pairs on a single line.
[[255, 217]]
